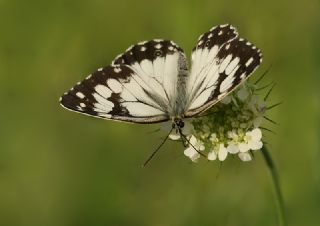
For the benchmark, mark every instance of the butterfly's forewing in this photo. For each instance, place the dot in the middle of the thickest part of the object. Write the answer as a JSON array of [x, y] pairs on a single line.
[[137, 87], [220, 62]]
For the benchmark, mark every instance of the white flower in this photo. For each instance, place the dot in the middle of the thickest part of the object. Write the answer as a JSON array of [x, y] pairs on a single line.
[[212, 155], [191, 152], [222, 153], [219, 151], [253, 139], [231, 127], [245, 156], [233, 148]]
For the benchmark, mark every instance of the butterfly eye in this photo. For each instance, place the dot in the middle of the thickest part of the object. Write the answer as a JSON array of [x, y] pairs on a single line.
[[207, 43], [157, 53], [181, 124]]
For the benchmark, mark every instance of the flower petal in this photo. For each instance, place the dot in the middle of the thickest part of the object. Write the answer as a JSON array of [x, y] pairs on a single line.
[[223, 152], [191, 153], [193, 140], [233, 148], [255, 145], [255, 134], [212, 155], [243, 147], [245, 156]]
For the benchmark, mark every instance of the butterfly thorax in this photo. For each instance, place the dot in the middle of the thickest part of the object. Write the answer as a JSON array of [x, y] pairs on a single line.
[[177, 124]]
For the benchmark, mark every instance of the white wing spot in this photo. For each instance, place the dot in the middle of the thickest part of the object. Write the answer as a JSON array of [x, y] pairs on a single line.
[[114, 85], [100, 69], [200, 42], [249, 61], [103, 91], [210, 35], [223, 25], [232, 65], [80, 95], [227, 46], [158, 46], [83, 105], [104, 115], [102, 103], [174, 44], [225, 63], [142, 43], [220, 32], [129, 48], [101, 107], [171, 48], [117, 69], [89, 76], [137, 109], [143, 48]]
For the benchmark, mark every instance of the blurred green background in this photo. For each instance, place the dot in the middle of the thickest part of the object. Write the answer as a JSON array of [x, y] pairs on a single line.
[[62, 168]]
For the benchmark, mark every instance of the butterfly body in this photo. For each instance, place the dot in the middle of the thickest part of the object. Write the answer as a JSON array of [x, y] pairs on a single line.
[[151, 82]]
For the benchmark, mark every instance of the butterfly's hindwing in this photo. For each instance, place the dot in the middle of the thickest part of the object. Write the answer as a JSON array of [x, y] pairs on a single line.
[[233, 62], [137, 87]]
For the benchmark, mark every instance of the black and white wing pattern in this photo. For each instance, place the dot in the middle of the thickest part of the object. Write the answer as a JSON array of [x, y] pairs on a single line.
[[137, 87], [220, 62]]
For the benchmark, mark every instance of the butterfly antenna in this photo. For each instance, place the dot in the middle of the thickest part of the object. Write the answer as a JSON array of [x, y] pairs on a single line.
[[158, 148], [184, 137]]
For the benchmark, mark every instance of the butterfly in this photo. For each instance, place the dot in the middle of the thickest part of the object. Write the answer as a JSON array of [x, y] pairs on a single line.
[[151, 81]]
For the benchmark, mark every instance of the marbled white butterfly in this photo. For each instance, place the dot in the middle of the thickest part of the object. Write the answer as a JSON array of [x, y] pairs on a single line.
[[150, 82]]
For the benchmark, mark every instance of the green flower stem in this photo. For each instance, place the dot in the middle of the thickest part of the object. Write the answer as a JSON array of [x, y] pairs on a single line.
[[275, 179]]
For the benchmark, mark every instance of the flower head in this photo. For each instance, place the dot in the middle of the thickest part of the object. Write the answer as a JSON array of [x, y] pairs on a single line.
[[230, 127]]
